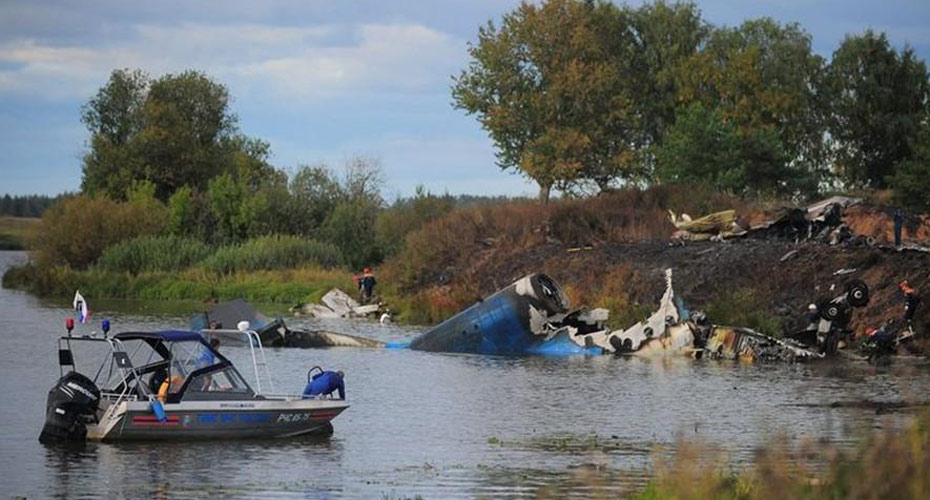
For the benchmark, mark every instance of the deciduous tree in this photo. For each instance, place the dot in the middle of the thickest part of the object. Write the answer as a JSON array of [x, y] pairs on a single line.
[[764, 78], [551, 87], [880, 98], [174, 131]]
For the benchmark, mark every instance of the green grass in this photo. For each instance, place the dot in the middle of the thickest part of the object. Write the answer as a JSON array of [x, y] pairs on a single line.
[[153, 253], [273, 252], [13, 232], [289, 287]]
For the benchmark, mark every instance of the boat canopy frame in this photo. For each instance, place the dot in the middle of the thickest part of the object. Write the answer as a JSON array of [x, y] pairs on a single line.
[[130, 385]]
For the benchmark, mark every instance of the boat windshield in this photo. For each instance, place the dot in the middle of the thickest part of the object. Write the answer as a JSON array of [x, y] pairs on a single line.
[[225, 383], [222, 382], [187, 356]]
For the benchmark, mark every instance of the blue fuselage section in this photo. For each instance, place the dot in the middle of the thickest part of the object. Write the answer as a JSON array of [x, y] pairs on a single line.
[[500, 325]]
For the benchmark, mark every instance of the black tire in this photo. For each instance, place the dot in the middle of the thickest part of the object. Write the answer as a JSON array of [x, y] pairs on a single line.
[[831, 311], [831, 344], [857, 293]]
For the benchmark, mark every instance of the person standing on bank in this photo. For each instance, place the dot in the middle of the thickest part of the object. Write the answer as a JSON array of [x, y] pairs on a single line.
[[898, 225], [911, 300], [367, 285]]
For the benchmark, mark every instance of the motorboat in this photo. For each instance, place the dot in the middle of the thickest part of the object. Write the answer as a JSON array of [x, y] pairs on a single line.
[[172, 385]]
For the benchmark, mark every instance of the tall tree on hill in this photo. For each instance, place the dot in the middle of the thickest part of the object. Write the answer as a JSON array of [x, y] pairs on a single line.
[[173, 131], [911, 178], [551, 85], [763, 76], [880, 98], [667, 36], [704, 147]]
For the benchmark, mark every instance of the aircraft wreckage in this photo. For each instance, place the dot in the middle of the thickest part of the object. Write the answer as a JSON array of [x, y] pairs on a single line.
[[272, 332], [534, 316]]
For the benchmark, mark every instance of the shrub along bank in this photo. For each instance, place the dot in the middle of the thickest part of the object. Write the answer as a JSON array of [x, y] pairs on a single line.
[[610, 251], [606, 251], [289, 286]]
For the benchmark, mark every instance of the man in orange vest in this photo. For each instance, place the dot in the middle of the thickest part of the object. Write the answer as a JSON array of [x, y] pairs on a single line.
[[367, 285], [911, 300]]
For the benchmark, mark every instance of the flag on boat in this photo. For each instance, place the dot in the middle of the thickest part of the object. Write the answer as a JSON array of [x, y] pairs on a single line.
[[80, 306]]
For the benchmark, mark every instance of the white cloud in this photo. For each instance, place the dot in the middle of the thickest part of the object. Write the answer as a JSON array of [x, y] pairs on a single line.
[[306, 63], [393, 58]]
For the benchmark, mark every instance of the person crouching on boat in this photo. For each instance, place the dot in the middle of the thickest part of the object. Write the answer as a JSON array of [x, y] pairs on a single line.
[[326, 383]]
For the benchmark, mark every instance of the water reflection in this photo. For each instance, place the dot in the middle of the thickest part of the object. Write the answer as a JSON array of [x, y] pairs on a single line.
[[433, 424], [195, 469]]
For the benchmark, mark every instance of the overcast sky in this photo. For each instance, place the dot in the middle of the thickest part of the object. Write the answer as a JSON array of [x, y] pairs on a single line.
[[320, 80]]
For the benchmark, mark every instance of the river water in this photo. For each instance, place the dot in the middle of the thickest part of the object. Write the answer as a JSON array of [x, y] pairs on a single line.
[[437, 425]]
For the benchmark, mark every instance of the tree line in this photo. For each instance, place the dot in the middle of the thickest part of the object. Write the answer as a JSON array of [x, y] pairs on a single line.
[[582, 96], [166, 157], [33, 205]]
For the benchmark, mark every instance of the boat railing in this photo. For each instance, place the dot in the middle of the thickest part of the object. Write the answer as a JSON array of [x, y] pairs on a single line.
[[118, 359], [258, 356]]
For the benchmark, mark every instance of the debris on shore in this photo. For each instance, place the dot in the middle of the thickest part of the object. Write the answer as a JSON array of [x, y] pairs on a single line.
[[338, 304], [824, 221]]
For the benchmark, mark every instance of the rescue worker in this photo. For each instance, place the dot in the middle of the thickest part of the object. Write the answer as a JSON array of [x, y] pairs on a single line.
[[325, 383], [170, 386], [367, 285], [813, 317], [898, 224], [911, 300], [206, 357], [883, 342]]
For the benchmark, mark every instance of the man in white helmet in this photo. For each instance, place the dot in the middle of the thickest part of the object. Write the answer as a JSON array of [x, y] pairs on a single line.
[[813, 316]]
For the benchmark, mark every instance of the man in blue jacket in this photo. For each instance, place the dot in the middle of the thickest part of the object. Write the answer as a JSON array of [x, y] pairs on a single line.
[[325, 383]]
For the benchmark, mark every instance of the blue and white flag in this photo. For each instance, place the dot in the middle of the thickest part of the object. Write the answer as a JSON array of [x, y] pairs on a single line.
[[80, 306]]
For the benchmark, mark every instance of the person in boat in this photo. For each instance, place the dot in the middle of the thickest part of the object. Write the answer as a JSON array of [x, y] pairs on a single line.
[[366, 285], [911, 300], [158, 377], [325, 383], [171, 385], [207, 358]]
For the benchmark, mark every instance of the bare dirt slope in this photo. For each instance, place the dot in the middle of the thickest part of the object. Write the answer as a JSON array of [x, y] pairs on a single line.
[[611, 252]]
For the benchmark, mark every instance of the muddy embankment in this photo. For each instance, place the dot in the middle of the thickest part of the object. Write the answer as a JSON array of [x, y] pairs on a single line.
[[611, 253], [708, 273]]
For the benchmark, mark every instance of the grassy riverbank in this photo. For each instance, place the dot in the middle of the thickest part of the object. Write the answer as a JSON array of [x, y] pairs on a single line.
[[13, 232], [608, 251], [290, 287]]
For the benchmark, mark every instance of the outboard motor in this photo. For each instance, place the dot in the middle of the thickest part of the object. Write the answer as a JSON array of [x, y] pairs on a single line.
[[71, 403]]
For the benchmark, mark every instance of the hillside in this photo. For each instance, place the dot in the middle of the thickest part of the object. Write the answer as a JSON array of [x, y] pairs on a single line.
[[610, 251]]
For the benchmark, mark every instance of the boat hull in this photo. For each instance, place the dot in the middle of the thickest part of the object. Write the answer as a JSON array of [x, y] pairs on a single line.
[[136, 421]]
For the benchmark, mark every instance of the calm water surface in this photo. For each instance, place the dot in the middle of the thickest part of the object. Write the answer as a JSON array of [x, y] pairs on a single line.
[[435, 425]]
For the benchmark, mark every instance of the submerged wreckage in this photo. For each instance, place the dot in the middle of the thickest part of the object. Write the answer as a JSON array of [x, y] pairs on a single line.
[[533, 315], [272, 332]]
